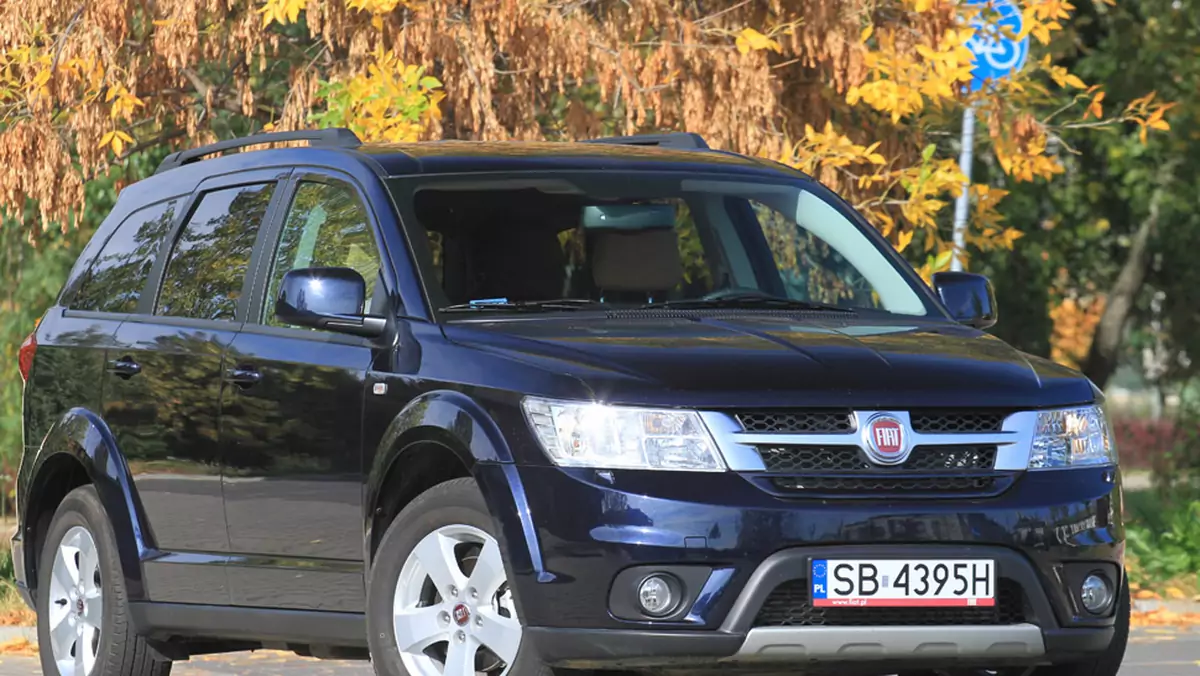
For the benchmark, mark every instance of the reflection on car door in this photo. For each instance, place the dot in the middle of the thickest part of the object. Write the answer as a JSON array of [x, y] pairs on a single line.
[[291, 428], [163, 389]]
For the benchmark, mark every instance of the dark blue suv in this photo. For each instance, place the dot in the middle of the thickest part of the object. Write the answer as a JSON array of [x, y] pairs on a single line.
[[529, 408]]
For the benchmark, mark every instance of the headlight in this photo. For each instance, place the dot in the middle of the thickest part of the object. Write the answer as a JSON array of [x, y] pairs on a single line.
[[586, 434], [1072, 437]]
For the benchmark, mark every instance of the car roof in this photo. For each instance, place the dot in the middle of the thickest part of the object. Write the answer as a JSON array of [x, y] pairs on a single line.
[[182, 172], [437, 157]]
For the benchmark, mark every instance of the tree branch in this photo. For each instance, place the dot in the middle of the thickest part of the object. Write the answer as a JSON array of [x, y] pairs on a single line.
[[1106, 343]]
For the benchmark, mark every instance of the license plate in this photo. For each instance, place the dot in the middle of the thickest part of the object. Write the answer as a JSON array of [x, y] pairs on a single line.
[[896, 583]]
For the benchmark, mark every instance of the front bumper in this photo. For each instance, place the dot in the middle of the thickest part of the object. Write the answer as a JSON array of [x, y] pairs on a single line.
[[571, 534], [741, 641], [853, 649]]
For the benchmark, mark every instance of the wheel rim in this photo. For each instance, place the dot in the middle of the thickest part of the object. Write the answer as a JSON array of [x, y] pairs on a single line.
[[453, 611], [76, 603]]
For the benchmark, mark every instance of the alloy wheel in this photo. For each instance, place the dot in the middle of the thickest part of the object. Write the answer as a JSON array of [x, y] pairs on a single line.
[[453, 611], [76, 606]]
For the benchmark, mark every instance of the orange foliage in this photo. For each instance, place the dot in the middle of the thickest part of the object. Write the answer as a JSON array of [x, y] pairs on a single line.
[[1075, 319]]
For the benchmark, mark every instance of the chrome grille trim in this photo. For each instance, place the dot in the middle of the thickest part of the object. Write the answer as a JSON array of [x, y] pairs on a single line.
[[1013, 442]]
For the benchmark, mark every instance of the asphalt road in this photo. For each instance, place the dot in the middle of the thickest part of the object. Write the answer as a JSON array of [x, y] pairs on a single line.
[[1152, 652]]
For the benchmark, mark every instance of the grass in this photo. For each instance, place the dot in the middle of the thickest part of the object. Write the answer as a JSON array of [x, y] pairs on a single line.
[[1163, 542], [13, 611]]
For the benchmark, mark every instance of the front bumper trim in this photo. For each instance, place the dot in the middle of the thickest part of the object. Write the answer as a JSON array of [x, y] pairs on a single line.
[[877, 643]]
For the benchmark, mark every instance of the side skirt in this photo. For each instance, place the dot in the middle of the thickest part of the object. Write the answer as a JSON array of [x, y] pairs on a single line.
[[188, 622]]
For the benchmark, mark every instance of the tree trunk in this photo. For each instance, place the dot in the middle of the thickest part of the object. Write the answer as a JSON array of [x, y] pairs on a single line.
[[1110, 332]]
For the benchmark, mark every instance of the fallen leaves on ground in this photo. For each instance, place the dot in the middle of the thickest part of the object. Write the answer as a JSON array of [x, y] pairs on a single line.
[[18, 617], [1161, 617], [19, 646]]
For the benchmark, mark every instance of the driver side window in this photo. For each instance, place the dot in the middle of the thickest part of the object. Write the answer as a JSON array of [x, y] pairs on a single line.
[[326, 226]]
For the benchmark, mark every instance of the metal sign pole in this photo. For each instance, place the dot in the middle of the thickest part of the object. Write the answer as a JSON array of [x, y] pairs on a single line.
[[962, 205]]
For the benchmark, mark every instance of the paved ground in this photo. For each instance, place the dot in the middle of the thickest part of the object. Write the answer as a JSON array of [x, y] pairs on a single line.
[[1152, 652]]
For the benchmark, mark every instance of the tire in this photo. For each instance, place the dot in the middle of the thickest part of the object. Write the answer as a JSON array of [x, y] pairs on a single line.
[[451, 525], [82, 534]]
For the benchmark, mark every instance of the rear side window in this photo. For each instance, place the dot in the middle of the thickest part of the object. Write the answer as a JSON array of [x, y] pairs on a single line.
[[115, 280], [208, 264]]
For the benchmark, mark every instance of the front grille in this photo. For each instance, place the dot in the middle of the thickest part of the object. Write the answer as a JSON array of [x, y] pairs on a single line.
[[789, 606], [806, 459], [875, 485], [950, 458], [797, 422], [842, 422], [964, 422]]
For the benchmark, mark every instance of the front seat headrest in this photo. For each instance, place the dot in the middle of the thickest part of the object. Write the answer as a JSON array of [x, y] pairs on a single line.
[[638, 260]]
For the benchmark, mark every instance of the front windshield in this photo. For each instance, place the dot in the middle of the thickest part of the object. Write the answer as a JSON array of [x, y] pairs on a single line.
[[644, 240]]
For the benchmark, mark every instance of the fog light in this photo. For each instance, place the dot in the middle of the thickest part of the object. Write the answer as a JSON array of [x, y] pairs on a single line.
[[1096, 594], [656, 596]]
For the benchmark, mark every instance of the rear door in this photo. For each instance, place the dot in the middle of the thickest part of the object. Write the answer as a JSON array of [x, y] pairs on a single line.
[[73, 338], [291, 429], [163, 390]]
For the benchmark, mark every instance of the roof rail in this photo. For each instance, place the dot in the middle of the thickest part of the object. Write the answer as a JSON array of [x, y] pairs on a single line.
[[673, 140], [329, 138]]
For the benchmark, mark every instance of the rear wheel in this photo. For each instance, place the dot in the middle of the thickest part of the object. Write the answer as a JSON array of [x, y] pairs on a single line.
[[83, 618], [440, 603]]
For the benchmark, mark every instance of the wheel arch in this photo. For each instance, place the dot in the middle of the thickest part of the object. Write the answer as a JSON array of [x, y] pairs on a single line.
[[80, 450], [446, 435]]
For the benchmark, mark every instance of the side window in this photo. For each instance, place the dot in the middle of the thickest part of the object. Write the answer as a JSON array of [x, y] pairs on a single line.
[[326, 227], [809, 267], [208, 264], [115, 280]]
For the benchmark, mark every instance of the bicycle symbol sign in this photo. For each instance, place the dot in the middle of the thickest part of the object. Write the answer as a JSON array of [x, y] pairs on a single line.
[[997, 55]]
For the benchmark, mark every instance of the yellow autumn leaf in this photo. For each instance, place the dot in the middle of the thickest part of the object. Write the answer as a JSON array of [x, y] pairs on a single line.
[[106, 139], [903, 239], [1161, 125], [867, 33], [749, 40], [1095, 108]]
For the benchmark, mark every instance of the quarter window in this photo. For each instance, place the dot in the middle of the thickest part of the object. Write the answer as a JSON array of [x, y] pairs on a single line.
[[115, 280], [326, 227], [208, 265]]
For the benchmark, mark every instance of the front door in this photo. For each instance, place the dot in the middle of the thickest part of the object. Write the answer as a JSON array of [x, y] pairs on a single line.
[[162, 394], [291, 426]]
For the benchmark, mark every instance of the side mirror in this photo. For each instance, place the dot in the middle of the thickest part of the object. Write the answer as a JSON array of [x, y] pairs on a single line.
[[969, 298], [327, 298]]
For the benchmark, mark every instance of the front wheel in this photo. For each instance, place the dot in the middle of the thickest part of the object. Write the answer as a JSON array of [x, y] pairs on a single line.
[[440, 603]]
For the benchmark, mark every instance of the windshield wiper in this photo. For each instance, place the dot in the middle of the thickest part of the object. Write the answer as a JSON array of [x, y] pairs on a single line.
[[748, 301], [503, 305]]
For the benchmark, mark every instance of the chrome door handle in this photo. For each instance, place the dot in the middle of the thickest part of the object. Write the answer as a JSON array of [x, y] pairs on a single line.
[[243, 377], [125, 367]]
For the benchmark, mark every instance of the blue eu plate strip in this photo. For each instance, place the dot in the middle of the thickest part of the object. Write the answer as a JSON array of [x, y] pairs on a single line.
[[820, 570]]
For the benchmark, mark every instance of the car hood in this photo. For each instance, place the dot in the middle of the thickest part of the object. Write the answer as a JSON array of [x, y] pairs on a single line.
[[766, 360]]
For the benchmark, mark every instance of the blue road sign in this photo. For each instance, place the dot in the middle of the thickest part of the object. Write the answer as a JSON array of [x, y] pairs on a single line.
[[996, 55]]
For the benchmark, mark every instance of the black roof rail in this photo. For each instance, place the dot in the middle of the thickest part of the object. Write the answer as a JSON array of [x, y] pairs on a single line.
[[674, 140], [328, 138]]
